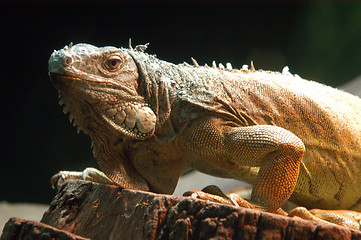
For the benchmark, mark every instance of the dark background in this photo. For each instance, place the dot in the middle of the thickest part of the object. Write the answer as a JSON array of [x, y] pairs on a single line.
[[319, 41]]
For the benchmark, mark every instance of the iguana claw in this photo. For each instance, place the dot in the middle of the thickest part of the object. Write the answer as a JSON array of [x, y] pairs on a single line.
[[211, 193], [89, 174], [61, 177]]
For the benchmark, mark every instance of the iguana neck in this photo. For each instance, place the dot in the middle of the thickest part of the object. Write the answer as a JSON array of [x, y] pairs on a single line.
[[181, 90]]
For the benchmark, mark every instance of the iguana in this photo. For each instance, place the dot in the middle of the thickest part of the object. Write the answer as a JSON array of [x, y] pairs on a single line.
[[150, 121]]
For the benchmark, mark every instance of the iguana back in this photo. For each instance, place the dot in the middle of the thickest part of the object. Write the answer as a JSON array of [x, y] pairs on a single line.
[[327, 120]]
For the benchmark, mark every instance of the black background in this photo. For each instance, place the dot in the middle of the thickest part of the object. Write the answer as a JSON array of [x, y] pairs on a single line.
[[319, 41]]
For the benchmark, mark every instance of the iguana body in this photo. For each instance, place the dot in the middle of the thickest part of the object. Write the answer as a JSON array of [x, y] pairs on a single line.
[[151, 120]]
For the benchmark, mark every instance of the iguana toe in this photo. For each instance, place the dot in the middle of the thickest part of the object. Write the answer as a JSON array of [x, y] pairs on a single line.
[[89, 174]]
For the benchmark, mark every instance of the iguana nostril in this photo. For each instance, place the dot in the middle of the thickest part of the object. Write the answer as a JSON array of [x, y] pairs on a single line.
[[68, 61]]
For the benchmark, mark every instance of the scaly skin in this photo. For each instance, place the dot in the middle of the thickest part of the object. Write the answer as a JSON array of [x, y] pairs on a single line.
[[150, 121]]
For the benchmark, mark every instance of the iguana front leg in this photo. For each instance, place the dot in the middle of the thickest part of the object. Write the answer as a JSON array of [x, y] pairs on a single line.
[[276, 151]]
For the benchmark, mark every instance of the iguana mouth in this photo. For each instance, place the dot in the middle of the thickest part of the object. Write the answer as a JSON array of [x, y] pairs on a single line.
[[130, 118], [61, 81]]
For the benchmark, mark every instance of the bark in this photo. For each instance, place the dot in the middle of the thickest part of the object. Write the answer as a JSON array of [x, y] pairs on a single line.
[[17, 228], [99, 211]]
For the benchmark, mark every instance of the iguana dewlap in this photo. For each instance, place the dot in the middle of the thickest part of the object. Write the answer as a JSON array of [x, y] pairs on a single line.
[[151, 120]]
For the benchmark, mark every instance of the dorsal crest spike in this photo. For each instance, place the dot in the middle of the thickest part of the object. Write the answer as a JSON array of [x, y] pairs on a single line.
[[244, 67], [130, 44], [229, 66], [286, 71], [141, 48], [195, 63], [252, 67], [67, 47], [214, 65]]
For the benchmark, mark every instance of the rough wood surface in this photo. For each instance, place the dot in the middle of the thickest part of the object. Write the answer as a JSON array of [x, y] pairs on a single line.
[[99, 211], [17, 228], [107, 212]]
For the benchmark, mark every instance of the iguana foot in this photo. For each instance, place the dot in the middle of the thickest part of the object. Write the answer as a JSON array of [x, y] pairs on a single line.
[[211, 193], [214, 194], [89, 174], [345, 218]]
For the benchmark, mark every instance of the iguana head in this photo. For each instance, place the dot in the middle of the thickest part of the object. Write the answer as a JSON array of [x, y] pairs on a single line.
[[118, 97], [100, 86]]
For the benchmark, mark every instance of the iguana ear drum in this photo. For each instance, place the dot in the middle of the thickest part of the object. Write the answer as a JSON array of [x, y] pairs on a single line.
[[146, 119]]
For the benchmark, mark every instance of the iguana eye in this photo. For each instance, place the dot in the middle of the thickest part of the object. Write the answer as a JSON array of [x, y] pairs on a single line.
[[113, 62]]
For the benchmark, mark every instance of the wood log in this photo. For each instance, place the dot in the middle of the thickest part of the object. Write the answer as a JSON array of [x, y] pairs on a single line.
[[99, 211], [17, 228]]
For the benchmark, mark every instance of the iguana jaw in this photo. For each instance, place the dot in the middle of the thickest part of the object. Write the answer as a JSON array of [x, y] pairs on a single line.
[[131, 118]]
